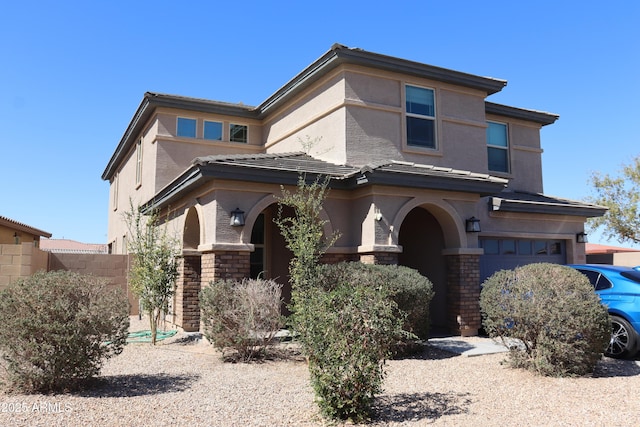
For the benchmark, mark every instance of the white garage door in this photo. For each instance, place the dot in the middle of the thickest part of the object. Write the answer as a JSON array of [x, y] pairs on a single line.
[[507, 254]]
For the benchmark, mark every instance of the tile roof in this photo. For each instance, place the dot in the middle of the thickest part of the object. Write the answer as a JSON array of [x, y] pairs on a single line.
[[519, 201], [10, 223], [71, 246]]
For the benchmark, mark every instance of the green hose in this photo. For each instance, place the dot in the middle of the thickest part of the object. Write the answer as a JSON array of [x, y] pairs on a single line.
[[145, 336]]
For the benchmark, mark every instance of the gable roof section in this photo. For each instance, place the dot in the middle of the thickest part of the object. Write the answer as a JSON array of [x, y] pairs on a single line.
[[285, 168], [518, 201], [18, 226]]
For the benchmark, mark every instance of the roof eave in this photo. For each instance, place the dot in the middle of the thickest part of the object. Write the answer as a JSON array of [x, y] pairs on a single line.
[[524, 206], [481, 187], [541, 117], [339, 54]]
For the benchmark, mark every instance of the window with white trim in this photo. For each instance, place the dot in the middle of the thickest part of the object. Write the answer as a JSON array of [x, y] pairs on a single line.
[[238, 133], [139, 162], [186, 127], [212, 130], [420, 110], [498, 147]]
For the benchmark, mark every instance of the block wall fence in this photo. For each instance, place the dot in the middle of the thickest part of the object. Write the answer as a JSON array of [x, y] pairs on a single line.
[[25, 259]]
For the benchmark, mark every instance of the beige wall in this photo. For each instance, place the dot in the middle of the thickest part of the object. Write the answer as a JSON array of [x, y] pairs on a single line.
[[627, 259], [110, 268], [354, 115], [23, 260], [20, 261], [8, 236]]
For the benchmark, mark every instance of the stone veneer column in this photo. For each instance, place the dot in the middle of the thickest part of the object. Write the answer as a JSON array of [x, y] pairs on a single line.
[[385, 258], [187, 309], [225, 264], [463, 293]]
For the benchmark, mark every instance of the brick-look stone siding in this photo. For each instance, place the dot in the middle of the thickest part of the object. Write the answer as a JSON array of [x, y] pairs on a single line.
[[384, 258], [187, 302], [463, 277]]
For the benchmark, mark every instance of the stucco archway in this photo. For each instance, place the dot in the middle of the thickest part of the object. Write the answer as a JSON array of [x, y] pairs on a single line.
[[426, 230]]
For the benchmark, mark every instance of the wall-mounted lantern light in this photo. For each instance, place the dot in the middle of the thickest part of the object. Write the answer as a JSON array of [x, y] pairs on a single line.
[[473, 225], [237, 218], [582, 237]]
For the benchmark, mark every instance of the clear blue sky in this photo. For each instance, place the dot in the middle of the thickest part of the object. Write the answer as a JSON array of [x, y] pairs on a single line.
[[73, 73]]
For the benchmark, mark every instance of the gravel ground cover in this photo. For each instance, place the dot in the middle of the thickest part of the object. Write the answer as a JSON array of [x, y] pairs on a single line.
[[183, 382]]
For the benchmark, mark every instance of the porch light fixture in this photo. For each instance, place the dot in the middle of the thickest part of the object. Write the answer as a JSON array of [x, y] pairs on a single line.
[[237, 218], [582, 237], [473, 225]]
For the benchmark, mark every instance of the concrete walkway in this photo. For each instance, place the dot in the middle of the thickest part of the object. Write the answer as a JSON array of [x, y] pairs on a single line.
[[468, 346]]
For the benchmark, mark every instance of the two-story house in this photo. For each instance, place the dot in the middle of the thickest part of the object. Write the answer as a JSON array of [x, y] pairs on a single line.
[[425, 172]]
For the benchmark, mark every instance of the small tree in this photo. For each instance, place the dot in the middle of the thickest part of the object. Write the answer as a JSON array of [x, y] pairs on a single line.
[[154, 267], [621, 195], [304, 231]]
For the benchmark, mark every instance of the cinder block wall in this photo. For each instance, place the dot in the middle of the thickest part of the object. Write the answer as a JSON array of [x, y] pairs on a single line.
[[20, 260], [111, 268]]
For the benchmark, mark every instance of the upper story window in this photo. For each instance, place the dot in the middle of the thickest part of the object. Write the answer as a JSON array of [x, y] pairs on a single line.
[[139, 162], [186, 127], [238, 133], [212, 130], [498, 147], [421, 116]]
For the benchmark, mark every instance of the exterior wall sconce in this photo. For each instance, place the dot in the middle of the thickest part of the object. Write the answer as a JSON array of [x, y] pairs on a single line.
[[473, 225], [582, 237], [237, 218]]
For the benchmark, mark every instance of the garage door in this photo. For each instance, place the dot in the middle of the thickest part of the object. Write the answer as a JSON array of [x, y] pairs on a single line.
[[507, 254]]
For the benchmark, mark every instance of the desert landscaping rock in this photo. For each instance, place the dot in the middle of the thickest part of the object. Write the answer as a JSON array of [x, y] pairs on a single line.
[[183, 382]]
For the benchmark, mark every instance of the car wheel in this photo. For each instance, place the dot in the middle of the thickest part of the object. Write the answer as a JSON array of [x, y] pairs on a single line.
[[623, 339]]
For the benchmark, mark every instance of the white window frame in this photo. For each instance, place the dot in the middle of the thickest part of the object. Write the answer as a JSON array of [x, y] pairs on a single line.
[[195, 127], [499, 147], [139, 162], [204, 124], [115, 185], [239, 124], [433, 118]]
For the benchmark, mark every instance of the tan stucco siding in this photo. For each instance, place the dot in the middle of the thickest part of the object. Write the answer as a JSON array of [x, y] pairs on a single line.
[[316, 115], [372, 135]]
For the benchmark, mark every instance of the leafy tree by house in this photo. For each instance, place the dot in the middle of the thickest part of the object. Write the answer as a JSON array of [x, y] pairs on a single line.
[[303, 232], [621, 194], [154, 267]]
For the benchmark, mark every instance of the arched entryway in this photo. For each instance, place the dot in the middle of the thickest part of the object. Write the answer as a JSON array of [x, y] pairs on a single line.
[[422, 240], [270, 258]]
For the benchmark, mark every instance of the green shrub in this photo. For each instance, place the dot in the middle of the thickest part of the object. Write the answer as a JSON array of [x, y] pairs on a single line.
[[411, 291], [557, 320], [58, 328], [242, 316], [347, 333]]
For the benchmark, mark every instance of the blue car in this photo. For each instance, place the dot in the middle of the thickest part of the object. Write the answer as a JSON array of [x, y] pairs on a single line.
[[619, 289]]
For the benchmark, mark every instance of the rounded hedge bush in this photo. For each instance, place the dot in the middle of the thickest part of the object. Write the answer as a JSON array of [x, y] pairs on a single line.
[[549, 316], [242, 315], [58, 328], [411, 291]]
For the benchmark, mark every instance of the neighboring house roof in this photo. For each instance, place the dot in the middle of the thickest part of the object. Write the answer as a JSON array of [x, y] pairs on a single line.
[[285, 168], [337, 55], [519, 201], [593, 248], [18, 226], [71, 246]]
